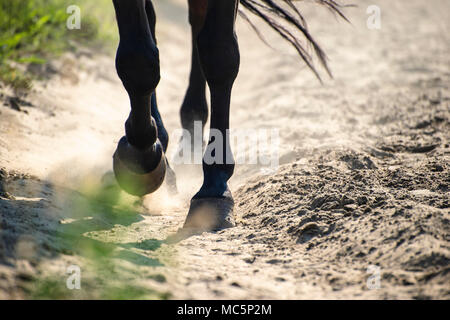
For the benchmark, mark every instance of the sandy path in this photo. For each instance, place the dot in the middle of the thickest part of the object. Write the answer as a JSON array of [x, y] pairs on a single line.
[[363, 179]]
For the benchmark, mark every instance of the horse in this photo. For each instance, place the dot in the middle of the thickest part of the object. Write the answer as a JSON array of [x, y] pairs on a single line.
[[139, 162]]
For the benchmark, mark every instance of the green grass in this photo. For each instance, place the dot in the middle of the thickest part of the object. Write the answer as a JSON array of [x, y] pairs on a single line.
[[110, 267], [33, 31]]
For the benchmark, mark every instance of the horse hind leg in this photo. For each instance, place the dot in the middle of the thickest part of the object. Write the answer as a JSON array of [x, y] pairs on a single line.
[[163, 136], [194, 109], [139, 161], [194, 106]]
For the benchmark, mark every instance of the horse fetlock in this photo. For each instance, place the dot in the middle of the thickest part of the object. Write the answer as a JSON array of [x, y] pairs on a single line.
[[193, 110], [213, 188], [218, 172], [215, 178], [141, 133]]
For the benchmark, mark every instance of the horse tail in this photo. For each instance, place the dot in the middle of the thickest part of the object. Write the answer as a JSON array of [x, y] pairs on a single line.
[[287, 20]]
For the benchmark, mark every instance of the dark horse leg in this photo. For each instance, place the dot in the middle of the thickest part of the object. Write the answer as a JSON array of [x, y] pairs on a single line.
[[139, 161], [219, 59], [195, 107], [162, 132]]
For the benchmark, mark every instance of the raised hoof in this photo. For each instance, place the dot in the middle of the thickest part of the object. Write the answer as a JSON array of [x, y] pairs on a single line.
[[137, 183]]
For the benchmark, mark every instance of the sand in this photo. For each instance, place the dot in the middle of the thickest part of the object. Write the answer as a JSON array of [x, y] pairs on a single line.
[[358, 208]]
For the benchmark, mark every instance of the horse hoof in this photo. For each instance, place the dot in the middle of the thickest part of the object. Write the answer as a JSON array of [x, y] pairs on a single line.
[[210, 214], [205, 214], [131, 173]]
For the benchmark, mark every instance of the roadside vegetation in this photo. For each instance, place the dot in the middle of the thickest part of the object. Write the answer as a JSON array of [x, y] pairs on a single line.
[[34, 31]]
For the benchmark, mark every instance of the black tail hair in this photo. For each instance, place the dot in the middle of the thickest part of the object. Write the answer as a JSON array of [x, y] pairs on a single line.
[[286, 19]]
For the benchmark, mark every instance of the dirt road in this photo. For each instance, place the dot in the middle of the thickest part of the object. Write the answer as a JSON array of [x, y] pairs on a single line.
[[359, 207]]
